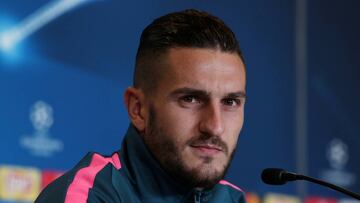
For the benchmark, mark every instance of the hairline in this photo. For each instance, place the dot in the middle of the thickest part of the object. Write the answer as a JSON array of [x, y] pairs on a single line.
[[158, 58]]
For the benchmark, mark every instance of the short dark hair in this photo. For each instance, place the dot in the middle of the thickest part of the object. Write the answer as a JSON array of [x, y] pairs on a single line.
[[185, 29]]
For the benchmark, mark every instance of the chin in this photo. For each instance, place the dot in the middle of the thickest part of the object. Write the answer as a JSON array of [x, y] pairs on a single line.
[[208, 179], [207, 175]]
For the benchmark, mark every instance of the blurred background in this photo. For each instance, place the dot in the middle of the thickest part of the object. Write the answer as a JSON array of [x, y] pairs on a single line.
[[64, 65]]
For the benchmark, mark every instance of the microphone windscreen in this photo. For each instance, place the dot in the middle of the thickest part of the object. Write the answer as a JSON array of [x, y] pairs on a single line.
[[273, 176]]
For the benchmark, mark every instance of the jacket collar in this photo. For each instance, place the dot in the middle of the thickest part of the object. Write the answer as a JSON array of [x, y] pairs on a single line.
[[145, 172]]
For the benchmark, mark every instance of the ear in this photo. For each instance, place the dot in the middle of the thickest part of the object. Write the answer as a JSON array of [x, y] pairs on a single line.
[[135, 104]]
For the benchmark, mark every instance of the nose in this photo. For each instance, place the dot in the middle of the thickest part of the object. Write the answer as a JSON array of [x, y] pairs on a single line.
[[211, 121]]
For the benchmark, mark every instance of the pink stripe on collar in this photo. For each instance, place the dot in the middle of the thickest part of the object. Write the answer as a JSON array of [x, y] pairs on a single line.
[[78, 190], [224, 182]]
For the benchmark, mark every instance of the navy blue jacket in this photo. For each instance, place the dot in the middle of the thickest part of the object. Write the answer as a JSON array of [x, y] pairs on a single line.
[[129, 175]]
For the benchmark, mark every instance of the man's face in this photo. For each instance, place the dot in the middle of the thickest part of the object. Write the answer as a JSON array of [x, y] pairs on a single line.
[[196, 114]]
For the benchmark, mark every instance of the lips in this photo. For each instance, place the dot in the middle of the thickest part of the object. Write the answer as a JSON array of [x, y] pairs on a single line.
[[207, 149], [207, 146]]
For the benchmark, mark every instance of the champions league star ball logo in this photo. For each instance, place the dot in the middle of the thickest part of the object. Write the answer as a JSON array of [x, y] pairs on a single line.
[[40, 143], [338, 156], [41, 117]]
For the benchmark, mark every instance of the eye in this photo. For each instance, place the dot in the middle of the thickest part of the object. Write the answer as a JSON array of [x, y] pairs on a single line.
[[190, 99], [231, 102]]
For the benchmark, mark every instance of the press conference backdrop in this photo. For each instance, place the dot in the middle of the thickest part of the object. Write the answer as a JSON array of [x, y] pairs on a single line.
[[64, 66]]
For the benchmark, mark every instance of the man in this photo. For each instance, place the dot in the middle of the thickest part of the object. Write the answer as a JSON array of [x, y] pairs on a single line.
[[186, 110]]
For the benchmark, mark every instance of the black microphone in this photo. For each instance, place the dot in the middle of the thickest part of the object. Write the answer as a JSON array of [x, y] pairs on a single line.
[[277, 176]]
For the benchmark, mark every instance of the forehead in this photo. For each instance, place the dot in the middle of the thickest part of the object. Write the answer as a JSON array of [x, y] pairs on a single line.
[[207, 69]]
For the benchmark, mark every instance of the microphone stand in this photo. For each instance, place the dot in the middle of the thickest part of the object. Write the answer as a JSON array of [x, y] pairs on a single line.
[[329, 185]]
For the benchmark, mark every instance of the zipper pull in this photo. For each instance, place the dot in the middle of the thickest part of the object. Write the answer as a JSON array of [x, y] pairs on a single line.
[[197, 197]]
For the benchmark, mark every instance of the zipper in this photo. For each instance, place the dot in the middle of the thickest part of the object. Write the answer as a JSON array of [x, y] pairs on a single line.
[[197, 197]]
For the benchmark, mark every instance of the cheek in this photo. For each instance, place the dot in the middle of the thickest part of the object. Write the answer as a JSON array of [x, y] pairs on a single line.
[[177, 122], [178, 118], [233, 126], [233, 141]]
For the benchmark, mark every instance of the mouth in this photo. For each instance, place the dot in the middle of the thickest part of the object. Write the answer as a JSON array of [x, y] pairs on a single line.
[[206, 149]]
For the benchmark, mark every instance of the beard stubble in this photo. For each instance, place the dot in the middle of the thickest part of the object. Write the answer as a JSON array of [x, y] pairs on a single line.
[[168, 153]]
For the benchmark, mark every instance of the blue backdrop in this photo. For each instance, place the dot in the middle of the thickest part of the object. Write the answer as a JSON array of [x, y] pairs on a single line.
[[61, 88]]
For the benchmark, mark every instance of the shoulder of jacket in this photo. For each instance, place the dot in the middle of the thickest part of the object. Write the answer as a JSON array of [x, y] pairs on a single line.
[[74, 185]]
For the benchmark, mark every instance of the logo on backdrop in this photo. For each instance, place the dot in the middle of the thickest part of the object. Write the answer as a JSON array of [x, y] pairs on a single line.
[[338, 156], [40, 143], [19, 184]]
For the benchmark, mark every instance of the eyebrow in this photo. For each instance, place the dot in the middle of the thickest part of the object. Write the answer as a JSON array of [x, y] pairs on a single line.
[[193, 91], [238, 94]]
